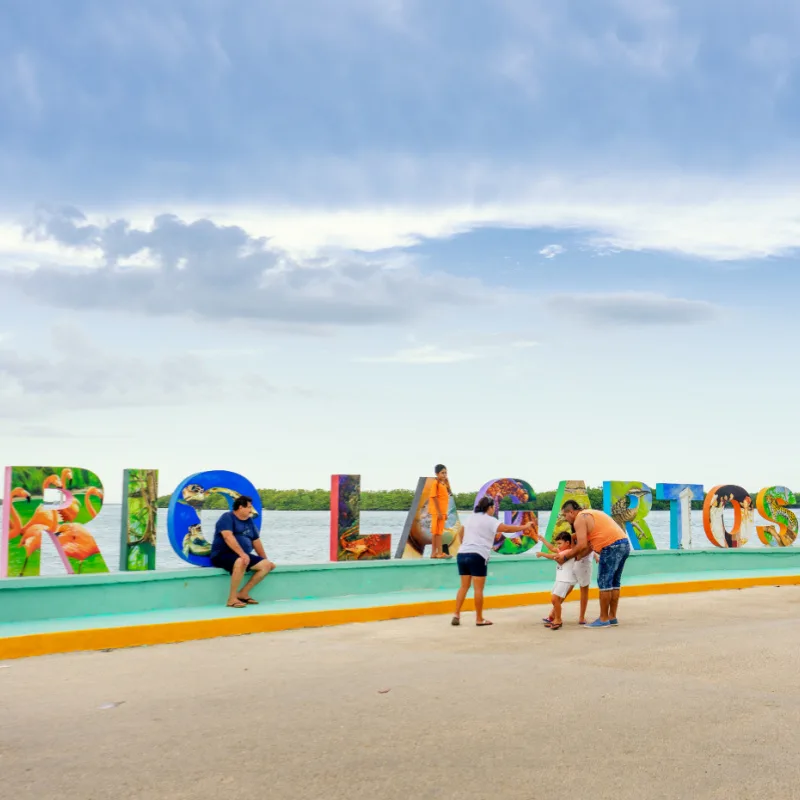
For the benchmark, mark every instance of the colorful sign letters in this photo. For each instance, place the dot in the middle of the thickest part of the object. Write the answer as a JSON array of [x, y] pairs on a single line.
[[629, 503], [680, 496], [522, 495], [56, 502], [347, 542], [139, 514], [186, 533], [416, 534], [59, 504], [743, 516], [771, 504]]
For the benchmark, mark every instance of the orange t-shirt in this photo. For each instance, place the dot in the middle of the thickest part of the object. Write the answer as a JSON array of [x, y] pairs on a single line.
[[439, 492], [605, 530]]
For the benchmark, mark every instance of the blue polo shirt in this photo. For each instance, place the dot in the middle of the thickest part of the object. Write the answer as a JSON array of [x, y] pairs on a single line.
[[245, 532]]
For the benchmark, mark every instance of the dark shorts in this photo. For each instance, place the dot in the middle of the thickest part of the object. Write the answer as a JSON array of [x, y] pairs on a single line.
[[612, 562], [472, 564], [227, 560]]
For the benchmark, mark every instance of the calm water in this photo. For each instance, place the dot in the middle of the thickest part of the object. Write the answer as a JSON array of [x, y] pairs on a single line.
[[302, 537]]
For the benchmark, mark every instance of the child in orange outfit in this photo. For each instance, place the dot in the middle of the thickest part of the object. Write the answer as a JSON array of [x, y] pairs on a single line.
[[438, 505]]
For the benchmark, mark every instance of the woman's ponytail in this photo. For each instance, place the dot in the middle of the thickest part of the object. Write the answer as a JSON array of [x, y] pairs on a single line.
[[484, 504]]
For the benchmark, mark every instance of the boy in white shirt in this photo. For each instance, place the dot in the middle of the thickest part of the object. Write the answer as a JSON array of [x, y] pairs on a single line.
[[567, 575]]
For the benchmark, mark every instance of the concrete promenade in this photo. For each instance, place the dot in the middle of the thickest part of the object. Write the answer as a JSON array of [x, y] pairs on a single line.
[[693, 696]]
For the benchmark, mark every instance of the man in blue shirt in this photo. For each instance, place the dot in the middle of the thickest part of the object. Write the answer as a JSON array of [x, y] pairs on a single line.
[[235, 538]]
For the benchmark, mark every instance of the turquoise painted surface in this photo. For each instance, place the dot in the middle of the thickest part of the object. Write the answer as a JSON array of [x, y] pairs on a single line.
[[329, 585], [384, 599]]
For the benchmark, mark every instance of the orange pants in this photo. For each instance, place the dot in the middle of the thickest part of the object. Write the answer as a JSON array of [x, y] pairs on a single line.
[[437, 525]]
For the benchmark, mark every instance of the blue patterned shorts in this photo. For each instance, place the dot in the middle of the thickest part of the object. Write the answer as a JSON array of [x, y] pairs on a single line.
[[612, 562]]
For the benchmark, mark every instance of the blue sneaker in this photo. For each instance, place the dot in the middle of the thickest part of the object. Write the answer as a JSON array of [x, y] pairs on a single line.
[[613, 621], [598, 623]]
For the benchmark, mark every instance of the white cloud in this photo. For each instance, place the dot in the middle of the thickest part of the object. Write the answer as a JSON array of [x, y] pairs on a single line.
[[632, 308], [551, 251], [719, 219], [221, 272]]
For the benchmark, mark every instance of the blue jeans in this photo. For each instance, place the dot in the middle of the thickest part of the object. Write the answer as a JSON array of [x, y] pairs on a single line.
[[612, 562]]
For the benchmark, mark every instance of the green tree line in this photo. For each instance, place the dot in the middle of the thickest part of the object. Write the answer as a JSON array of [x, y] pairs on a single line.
[[392, 500]]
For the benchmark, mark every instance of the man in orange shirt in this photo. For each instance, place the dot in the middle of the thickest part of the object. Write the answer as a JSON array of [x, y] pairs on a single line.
[[596, 530], [438, 505]]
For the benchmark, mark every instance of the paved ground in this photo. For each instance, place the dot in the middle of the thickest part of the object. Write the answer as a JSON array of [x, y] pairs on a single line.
[[694, 696]]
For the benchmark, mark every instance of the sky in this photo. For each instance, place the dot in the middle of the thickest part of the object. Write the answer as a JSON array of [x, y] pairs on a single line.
[[293, 238]]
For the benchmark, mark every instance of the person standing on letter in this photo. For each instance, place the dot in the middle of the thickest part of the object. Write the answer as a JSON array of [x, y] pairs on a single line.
[[235, 538], [596, 530], [438, 506]]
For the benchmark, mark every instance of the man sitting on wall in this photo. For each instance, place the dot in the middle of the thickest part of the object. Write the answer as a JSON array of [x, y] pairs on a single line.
[[235, 538]]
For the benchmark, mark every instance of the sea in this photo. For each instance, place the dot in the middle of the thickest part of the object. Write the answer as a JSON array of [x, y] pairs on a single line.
[[302, 537]]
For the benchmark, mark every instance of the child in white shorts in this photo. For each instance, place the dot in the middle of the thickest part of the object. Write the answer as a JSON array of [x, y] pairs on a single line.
[[567, 575]]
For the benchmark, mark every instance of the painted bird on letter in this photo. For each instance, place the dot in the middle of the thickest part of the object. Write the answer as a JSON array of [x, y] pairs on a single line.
[[77, 542], [622, 512], [70, 513]]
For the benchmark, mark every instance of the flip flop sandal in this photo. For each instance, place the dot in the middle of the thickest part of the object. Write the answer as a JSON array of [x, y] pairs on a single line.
[[582, 623], [484, 623], [556, 627], [546, 620], [249, 601], [237, 604], [455, 621]]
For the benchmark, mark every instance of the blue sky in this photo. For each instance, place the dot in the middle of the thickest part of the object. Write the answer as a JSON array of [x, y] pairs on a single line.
[[547, 240]]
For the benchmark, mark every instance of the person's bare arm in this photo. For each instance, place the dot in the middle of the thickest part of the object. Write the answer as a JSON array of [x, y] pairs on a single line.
[[551, 547], [582, 534], [503, 528], [259, 548], [551, 556], [230, 540]]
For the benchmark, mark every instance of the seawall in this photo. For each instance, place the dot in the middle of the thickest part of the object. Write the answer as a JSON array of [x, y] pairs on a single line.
[[68, 613]]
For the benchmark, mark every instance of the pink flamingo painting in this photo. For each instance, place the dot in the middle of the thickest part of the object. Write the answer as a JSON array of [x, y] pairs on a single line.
[[31, 541], [76, 542], [70, 513], [15, 523], [43, 516]]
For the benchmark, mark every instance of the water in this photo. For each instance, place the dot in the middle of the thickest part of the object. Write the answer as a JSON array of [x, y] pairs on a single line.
[[302, 537]]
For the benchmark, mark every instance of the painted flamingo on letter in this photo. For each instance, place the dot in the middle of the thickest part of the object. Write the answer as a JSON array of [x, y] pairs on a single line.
[[14, 522], [77, 543], [43, 516], [31, 540], [70, 513]]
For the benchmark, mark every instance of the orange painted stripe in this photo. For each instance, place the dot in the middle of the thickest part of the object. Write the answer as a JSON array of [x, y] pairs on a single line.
[[39, 644]]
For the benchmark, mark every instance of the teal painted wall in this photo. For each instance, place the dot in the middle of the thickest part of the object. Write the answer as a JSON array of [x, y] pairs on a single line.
[[29, 599]]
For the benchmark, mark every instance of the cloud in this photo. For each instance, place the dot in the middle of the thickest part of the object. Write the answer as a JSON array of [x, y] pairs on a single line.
[[632, 309], [372, 207], [338, 170], [496, 346], [221, 272], [551, 251], [77, 374]]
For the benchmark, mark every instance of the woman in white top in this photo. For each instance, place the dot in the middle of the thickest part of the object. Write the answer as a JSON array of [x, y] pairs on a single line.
[[473, 555]]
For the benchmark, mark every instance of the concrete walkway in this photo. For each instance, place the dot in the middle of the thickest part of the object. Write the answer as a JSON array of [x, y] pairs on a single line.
[[693, 696]]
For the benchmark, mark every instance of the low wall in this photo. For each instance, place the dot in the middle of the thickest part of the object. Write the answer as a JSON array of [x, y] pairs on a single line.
[[36, 599]]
